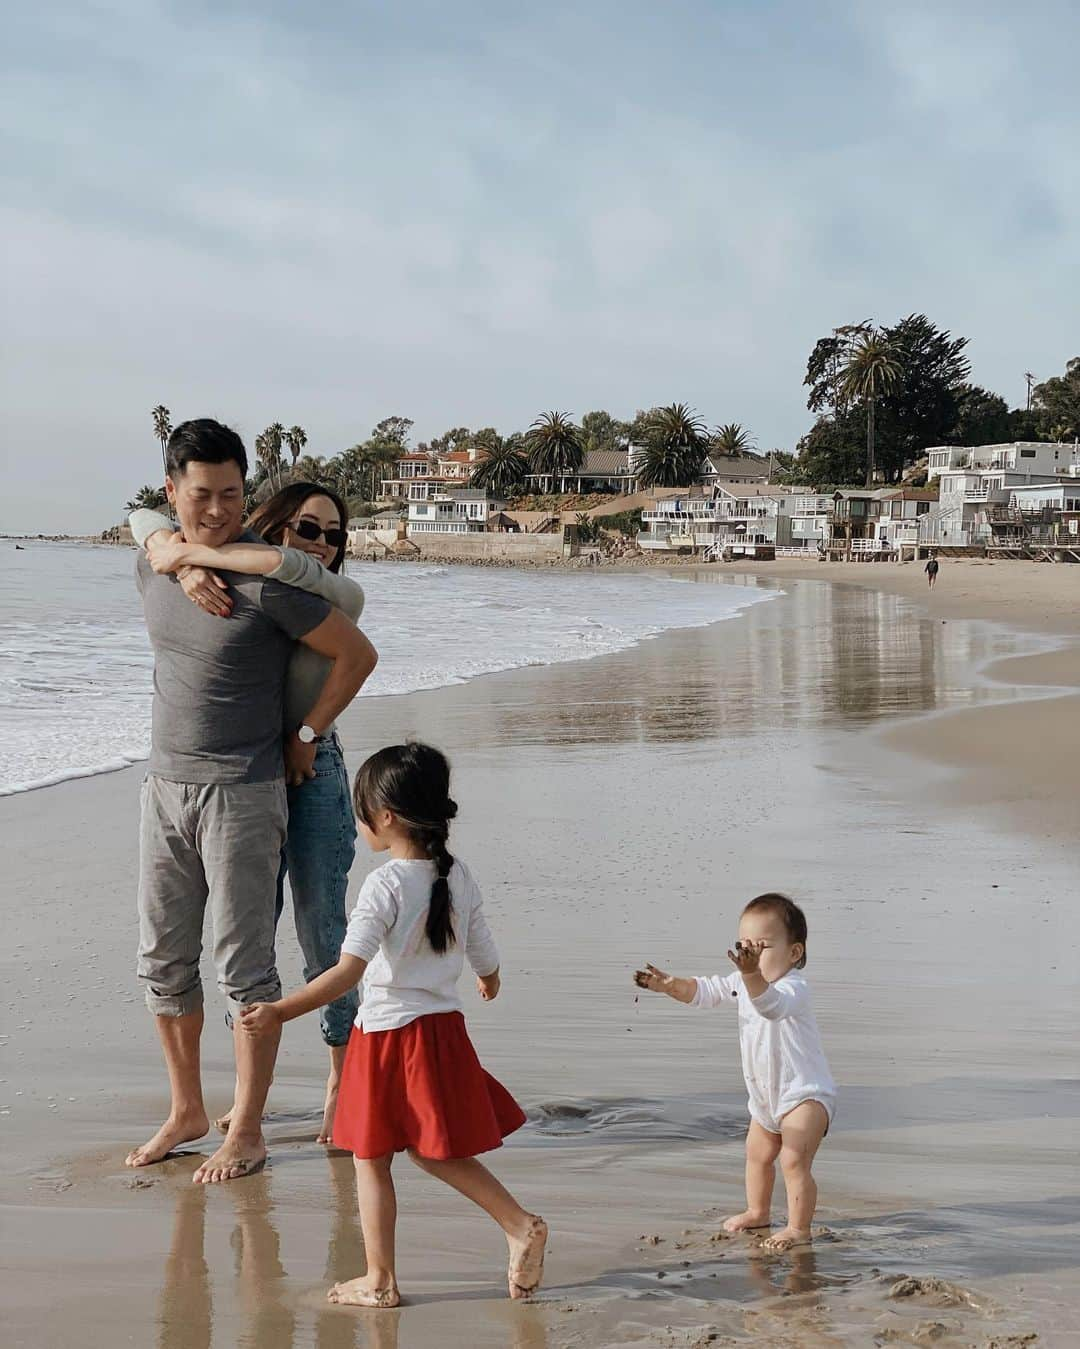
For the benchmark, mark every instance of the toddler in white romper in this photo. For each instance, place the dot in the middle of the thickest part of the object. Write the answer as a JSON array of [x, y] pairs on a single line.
[[792, 1095]]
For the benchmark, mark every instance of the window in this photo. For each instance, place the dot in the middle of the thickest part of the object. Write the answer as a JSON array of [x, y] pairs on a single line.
[[1028, 454]]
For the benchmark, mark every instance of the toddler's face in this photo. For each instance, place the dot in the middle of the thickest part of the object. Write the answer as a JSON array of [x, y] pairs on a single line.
[[780, 953]]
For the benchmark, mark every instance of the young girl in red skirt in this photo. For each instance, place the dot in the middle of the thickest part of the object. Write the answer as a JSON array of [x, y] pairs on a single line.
[[411, 1081]]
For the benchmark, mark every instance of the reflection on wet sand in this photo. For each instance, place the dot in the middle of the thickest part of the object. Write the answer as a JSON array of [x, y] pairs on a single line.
[[184, 1311], [815, 656]]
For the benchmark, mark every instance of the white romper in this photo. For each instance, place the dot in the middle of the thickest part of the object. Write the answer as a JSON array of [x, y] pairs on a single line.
[[783, 1060]]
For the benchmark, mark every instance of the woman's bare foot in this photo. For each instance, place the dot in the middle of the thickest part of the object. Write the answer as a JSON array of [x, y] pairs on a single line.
[[177, 1129], [237, 1156], [746, 1222], [364, 1293], [787, 1239], [527, 1259]]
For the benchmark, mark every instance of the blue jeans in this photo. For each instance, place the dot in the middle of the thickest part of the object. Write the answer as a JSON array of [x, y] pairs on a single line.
[[318, 853]]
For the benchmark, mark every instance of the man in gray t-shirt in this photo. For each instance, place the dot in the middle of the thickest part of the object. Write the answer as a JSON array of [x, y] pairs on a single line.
[[213, 802]]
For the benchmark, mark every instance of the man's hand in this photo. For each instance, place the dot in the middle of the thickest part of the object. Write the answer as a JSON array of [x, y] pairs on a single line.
[[206, 589], [747, 956], [260, 1018], [488, 985], [299, 760]]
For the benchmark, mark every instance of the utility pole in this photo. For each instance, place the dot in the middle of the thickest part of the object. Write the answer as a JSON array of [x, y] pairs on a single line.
[[1030, 381]]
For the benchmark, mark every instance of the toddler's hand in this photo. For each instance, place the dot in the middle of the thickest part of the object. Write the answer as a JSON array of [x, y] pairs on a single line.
[[259, 1018], [747, 956], [656, 981], [488, 985]]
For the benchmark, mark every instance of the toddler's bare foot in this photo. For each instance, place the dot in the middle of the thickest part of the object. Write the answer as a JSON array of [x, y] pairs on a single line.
[[364, 1293], [749, 1221], [526, 1268], [787, 1239], [177, 1129], [223, 1121], [326, 1133], [237, 1156]]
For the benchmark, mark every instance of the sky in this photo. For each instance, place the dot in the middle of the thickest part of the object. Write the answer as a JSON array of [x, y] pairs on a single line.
[[471, 213]]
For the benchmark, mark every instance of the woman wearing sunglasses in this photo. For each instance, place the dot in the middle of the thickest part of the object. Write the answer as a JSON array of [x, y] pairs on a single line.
[[303, 526]]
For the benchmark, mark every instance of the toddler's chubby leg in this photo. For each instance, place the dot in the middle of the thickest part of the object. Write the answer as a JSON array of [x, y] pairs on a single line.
[[762, 1149], [801, 1132]]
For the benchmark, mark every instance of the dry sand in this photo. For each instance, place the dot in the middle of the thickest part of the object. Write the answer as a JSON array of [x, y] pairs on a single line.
[[617, 810]]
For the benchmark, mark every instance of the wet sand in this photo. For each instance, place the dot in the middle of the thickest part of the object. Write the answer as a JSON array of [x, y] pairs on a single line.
[[617, 810]]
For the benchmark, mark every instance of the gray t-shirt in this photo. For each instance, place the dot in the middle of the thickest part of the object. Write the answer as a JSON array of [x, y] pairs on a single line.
[[219, 682]]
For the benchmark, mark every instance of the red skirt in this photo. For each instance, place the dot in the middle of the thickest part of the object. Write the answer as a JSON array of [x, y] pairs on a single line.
[[421, 1087]]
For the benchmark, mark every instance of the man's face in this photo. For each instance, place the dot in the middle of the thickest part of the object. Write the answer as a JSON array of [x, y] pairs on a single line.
[[209, 502]]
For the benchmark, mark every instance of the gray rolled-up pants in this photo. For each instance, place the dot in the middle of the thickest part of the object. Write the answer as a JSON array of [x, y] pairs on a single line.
[[216, 844]]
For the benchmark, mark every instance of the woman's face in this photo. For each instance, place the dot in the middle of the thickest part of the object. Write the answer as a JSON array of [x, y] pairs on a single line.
[[320, 511]]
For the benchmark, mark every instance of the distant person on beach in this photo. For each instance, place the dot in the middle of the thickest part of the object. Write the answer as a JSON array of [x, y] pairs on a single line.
[[306, 523], [792, 1094], [214, 800], [932, 571], [412, 1081]]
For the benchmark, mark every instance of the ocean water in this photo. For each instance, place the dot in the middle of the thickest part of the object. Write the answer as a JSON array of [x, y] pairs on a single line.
[[76, 668]]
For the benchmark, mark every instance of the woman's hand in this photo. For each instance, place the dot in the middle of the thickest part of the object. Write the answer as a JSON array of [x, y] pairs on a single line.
[[747, 956], [260, 1018], [165, 550], [206, 589], [488, 985]]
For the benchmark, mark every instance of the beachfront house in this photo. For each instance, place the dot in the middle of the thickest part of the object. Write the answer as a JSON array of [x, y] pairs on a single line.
[[968, 500], [744, 467], [746, 520], [423, 477], [1020, 459], [457, 511], [1039, 519], [901, 512], [603, 472]]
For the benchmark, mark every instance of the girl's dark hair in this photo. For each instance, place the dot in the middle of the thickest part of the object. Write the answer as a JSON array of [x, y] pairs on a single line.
[[271, 518], [792, 917], [413, 781]]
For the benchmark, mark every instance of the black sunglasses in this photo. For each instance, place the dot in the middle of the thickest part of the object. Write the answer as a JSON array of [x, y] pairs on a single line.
[[308, 529]]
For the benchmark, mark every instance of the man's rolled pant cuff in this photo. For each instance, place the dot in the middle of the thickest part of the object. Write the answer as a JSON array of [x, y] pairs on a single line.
[[175, 1004], [235, 1006]]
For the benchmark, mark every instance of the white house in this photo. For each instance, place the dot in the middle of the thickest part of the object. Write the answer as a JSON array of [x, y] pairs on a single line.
[[747, 519], [458, 511], [1021, 457], [967, 499]]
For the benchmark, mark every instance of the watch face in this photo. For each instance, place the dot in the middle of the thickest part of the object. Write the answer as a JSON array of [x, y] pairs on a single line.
[[306, 735]]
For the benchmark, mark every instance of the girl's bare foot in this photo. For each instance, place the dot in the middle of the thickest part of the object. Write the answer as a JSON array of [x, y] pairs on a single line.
[[527, 1259], [235, 1158], [177, 1129], [364, 1293], [746, 1222], [787, 1239]]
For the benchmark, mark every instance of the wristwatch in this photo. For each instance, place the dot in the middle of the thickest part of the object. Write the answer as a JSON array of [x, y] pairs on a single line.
[[307, 736]]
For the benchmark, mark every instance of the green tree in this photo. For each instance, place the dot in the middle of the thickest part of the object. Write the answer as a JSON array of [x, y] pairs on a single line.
[[671, 446], [502, 467], [147, 499], [296, 438], [601, 431], [833, 451], [871, 370], [457, 438], [268, 453], [982, 418], [163, 430], [393, 431], [1056, 403], [731, 439], [554, 445]]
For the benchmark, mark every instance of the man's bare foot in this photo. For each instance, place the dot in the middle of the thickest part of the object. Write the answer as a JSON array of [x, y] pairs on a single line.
[[787, 1239], [746, 1222], [177, 1129], [326, 1133], [527, 1259], [235, 1158], [364, 1293]]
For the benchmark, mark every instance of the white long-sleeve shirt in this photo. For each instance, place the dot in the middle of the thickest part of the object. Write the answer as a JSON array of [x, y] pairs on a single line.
[[406, 977], [783, 1059]]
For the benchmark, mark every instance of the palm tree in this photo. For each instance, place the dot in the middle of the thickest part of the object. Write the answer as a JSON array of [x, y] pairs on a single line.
[[554, 446], [502, 468], [296, 438], [731, 439], [163, 430], [268, 452], [870, 371], [674, 448], [313, 468], [146, 499]]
